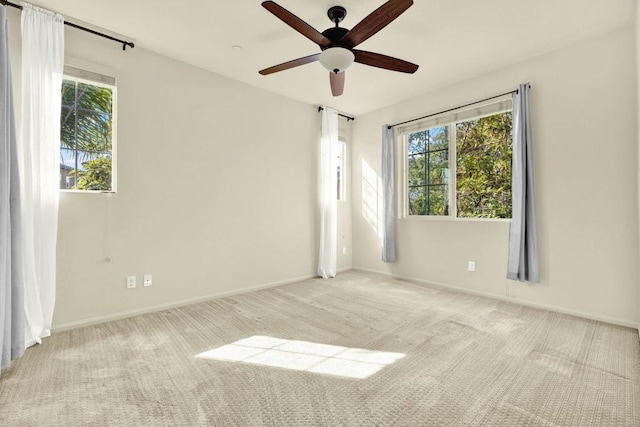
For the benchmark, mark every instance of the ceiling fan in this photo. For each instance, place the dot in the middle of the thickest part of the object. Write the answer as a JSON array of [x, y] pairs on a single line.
[[337, 44]]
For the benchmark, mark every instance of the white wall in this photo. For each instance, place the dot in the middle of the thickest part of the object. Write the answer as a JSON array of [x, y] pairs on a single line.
[[216, 189], [584, 108]]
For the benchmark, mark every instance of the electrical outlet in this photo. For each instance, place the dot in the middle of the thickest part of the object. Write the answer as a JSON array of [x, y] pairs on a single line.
[[131, 282], [147, 280], [472, 266]]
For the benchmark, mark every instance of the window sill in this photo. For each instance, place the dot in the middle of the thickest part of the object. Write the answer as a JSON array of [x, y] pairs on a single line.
[[451, 219], [86, 191]]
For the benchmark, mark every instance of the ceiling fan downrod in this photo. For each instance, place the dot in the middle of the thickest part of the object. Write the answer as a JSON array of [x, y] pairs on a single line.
[[336, 14]]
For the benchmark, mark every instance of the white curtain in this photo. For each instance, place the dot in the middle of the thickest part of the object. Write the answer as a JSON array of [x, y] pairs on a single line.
[[328, 194], [11, 267], [39, 158], [523, 234], [388, 188]]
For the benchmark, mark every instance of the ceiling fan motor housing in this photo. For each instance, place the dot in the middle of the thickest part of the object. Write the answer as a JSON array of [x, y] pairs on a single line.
[[334, 34]]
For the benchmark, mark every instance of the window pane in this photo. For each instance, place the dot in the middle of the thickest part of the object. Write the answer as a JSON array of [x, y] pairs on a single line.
[[484, 167], [438, 200], [438, 138], [417, 201], [417, 170], [340, 170], [68, 127], [94, 98], [68, 93], [428, 171], [417, 142], [439, 167], [67, 166], [94, 171], [85, 156], [93, 131]]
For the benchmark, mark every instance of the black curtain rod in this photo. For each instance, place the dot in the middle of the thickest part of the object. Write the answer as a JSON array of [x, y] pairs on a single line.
[[453, 109], [340, 114], [80, 27]]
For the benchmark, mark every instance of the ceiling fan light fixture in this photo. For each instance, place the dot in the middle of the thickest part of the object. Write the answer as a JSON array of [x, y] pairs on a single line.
[[336, 59]]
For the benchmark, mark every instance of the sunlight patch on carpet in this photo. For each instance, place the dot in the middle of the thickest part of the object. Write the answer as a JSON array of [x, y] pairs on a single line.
[[304, 356]]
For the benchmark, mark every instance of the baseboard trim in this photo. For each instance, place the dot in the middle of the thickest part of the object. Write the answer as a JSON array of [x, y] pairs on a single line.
[[159, 307], [605, 319]]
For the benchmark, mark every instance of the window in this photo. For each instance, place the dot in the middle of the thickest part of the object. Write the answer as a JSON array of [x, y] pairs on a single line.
[[428, 163], [87, 131], [341, 149], [460, 165]]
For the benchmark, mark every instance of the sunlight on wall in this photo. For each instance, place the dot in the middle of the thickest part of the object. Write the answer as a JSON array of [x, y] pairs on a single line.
[[372, 202], [304, 356]]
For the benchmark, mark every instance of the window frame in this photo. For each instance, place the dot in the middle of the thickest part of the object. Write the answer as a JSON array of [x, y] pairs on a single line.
[[402, 163], [74, 73]]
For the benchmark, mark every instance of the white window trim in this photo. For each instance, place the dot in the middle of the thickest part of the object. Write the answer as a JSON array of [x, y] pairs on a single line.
[[497, 106], [74, 73]]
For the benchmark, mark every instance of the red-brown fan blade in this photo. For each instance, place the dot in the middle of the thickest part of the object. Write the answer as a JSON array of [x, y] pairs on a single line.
[[290, 64], [375, 21], [337, 83], [296, 23], [384, 61]]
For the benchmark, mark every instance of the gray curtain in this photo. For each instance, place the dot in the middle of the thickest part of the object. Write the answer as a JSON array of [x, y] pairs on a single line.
[[11, 283], [388, 159], [523, 239]]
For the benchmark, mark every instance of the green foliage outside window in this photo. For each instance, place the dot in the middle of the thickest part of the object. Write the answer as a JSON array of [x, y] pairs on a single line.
[[483, 169], [95, 176]]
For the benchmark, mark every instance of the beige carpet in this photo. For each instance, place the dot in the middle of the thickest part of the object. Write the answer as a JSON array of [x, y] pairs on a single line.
[[359, 350]]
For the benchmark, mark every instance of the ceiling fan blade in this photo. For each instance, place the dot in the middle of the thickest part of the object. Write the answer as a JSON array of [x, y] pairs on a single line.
[[290, 64], [375, 21], [296, 23], [384, 61], [337, 83]]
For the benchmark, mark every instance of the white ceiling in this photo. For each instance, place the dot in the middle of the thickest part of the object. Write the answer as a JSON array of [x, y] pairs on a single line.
[[451, 40]]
